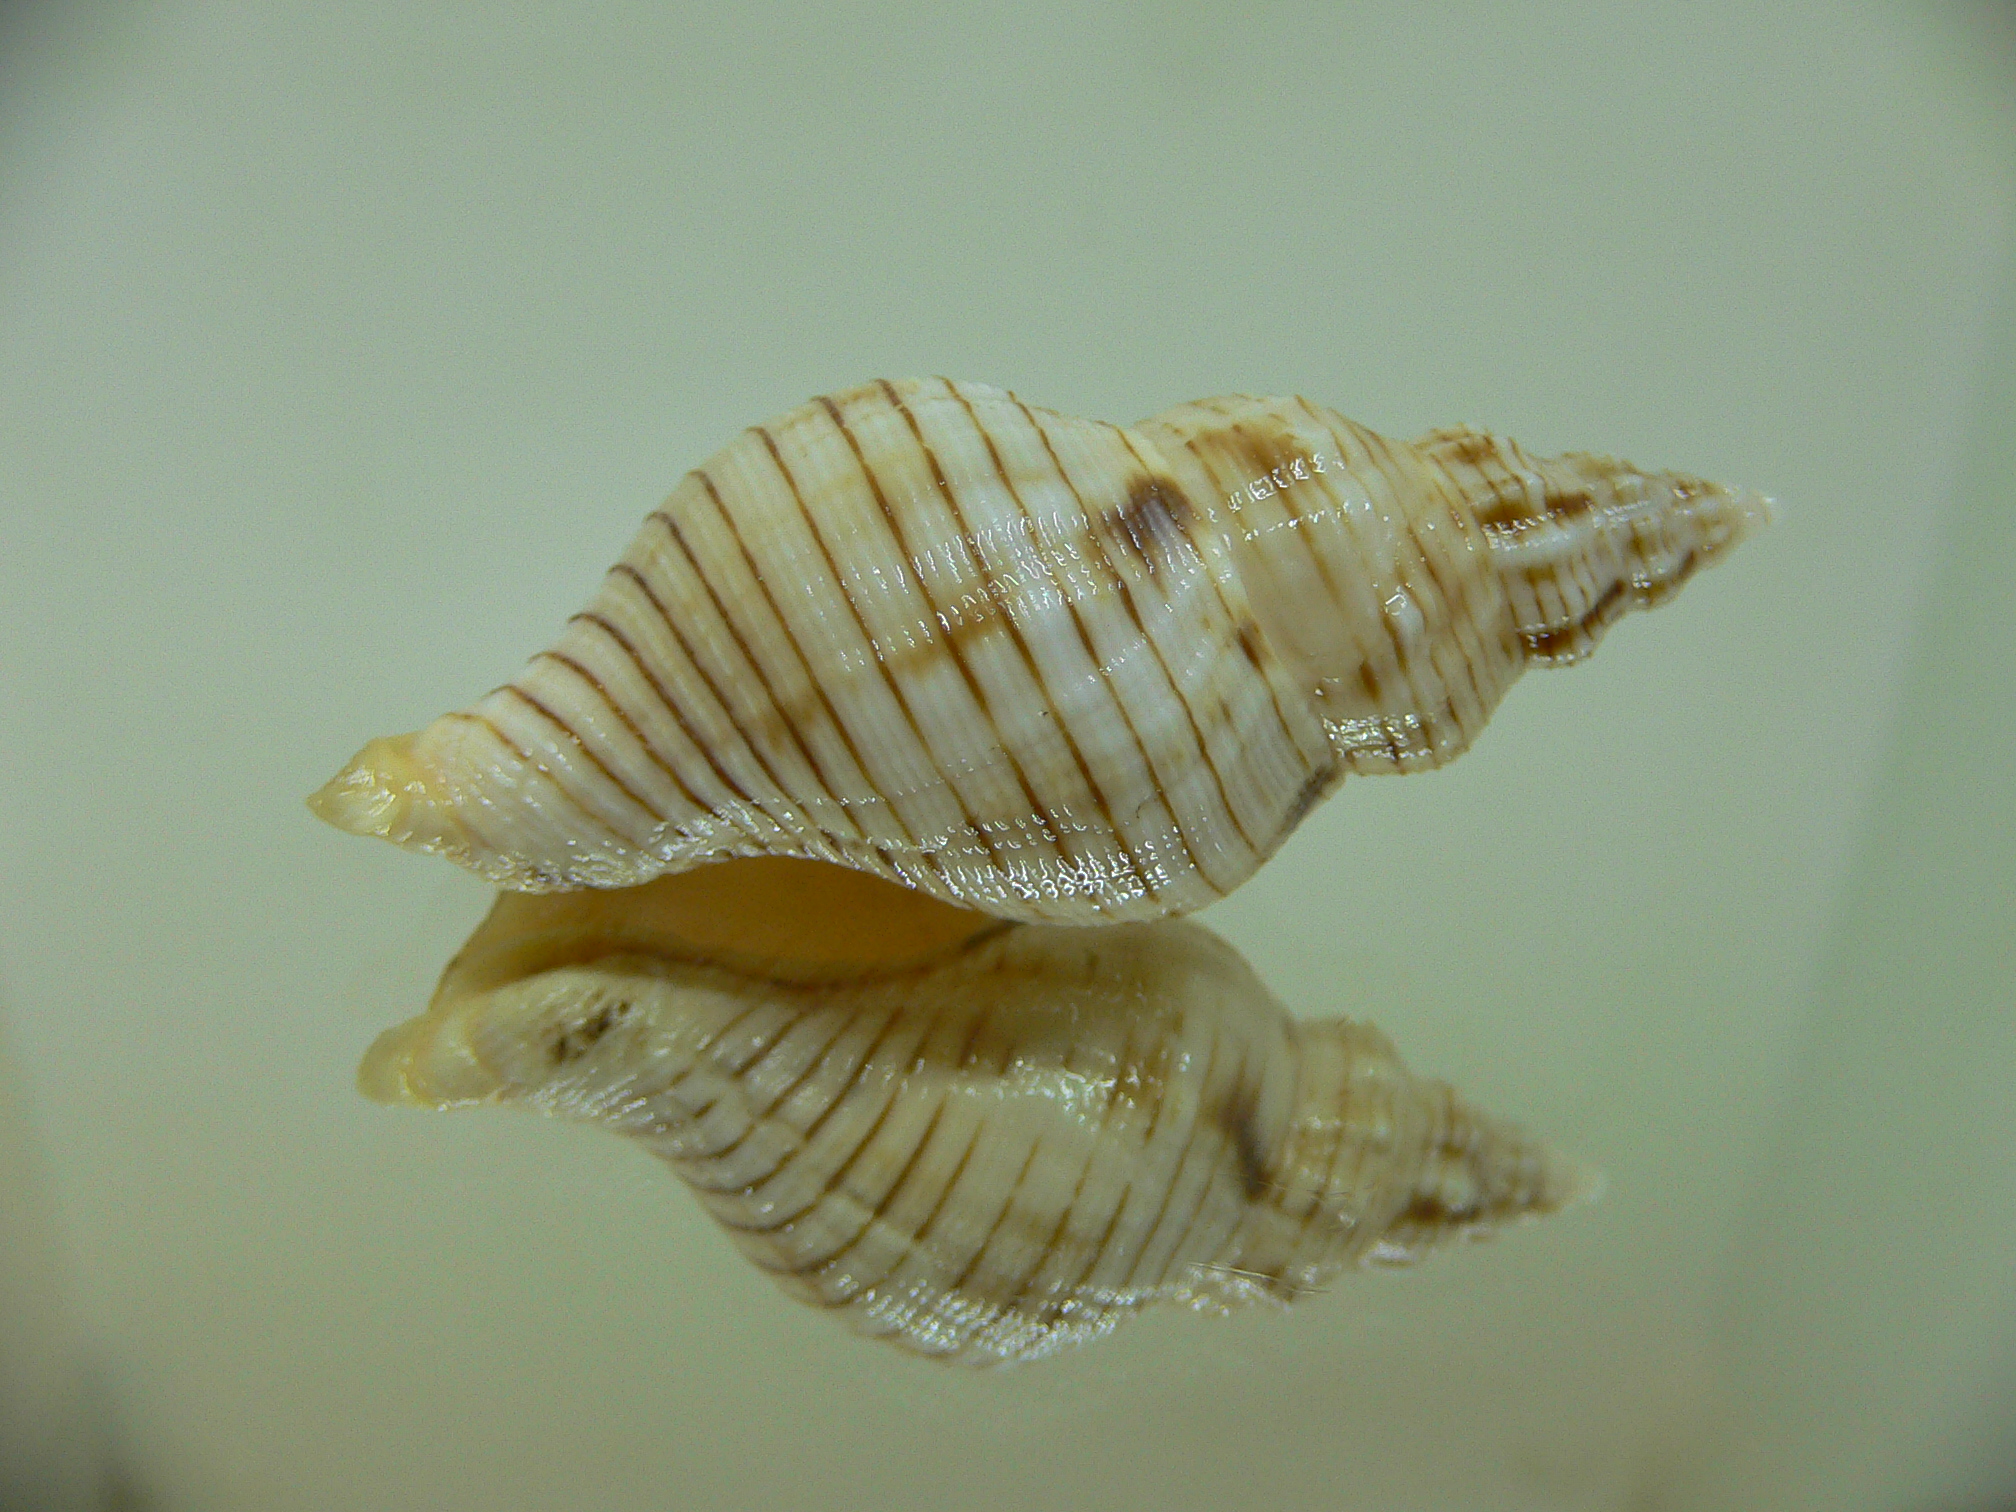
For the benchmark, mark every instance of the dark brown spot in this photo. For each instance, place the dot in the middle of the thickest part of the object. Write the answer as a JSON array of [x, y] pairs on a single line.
[[1271, 453], [1426, 1211], [1273, 694], [1368, 680], [1459, 444], [1314, 791], [1153, 521], [1505, 509], [1570, 502], [1571, 642], [572, 1041], [1250, 643], [1238, 1117], [1576, 640]]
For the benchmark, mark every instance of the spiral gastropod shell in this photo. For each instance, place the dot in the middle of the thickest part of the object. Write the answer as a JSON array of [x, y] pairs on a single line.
[[1048, 668], [982, 1140]]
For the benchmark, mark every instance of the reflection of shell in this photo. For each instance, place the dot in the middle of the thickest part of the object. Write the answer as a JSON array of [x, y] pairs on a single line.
[[1043, 667], [1002, 1140]]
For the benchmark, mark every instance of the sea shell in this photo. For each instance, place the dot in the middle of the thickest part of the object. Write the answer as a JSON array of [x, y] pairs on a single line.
[[1048, 668], [982, 1140]]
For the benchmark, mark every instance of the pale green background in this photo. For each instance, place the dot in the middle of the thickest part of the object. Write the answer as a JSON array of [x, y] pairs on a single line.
[[340, 350]]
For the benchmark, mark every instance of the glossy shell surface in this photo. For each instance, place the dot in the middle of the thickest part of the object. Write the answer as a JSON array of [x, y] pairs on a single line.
[[1049, 668], [984, 1141]]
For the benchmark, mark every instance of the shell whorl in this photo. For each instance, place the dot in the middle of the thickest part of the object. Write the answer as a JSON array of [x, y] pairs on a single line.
[[1048, 668], [993, 1141]]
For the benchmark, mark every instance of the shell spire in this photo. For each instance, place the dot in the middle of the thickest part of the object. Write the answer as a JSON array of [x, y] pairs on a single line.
[[983, 1141], [1047, 668]]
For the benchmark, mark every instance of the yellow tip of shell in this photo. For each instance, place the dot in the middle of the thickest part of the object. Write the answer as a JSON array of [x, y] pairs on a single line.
[[1753, 511], [423, 1064], [375, 793], [381, 1076], [384, 791]]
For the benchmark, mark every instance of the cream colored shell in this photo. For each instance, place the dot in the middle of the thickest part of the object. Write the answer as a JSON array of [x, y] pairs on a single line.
[[983, 1141], [1049, 668]]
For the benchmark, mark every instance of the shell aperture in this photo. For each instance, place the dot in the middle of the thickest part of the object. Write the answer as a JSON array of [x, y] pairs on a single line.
[[984, 1141], [1051, 669]]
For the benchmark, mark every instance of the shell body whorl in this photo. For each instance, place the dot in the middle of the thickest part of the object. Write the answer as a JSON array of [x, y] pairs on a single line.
[[987, 1155], [1047, 668]]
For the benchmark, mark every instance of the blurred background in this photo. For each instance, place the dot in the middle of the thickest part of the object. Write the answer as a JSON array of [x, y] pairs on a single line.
[[341, 348]]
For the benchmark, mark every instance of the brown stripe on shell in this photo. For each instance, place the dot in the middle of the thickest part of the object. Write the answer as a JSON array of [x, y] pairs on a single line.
[[953, 642], [1462, 447], [854, 1291], [1440, 734], [1573, 642], [786, 716], [815, 1064], [1007, 1207], [1172, 523], [1115, 576], [997, 1308], [1314, 791], [1467, 618], [884, 1100], [1338, 596], [1156, 520], [527, 759], [735, 819], [811, 1133], [540, 708], [1207, 1122], [1316, 1187], [773, 734], [903, 703], [672, 710], [838, 725], [1451, 612], [1232, 616], [1268, 459], [1490, 624], [1144, 875], [780, 718], [1195, 1125], [1049, 1215], [1069, 1209]]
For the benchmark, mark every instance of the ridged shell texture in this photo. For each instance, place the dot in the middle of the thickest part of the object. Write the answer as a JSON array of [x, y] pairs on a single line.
[[1001, 1148], [1048, 668]]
